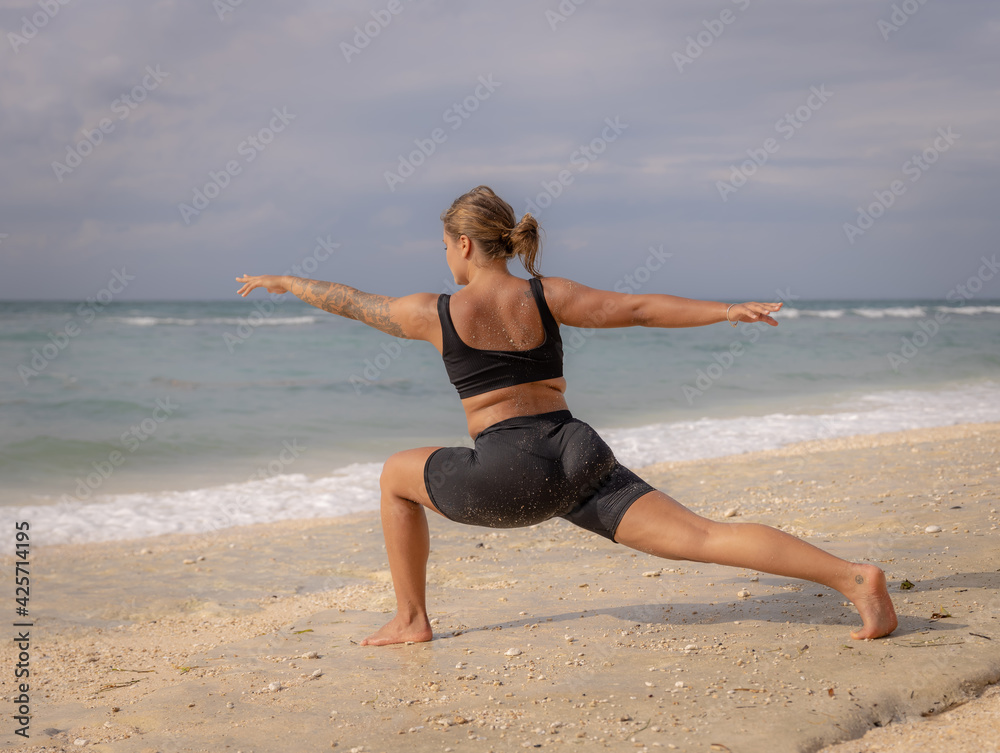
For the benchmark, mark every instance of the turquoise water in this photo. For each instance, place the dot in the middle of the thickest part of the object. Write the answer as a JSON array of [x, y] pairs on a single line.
[[186, 397]]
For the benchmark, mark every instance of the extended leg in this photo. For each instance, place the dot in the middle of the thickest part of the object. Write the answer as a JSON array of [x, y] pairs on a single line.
[[407, 544], [657, 524]]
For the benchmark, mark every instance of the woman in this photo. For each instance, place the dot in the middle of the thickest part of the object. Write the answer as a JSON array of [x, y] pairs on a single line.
[[499, 337]]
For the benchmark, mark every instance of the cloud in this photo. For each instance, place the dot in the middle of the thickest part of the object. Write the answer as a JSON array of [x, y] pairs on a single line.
[[419, 71]]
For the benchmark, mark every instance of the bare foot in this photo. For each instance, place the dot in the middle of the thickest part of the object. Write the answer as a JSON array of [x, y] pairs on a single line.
[[871, 596], [399, 630]]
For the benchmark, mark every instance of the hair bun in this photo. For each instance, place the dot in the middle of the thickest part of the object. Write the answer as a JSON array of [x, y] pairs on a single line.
[[490, 221]]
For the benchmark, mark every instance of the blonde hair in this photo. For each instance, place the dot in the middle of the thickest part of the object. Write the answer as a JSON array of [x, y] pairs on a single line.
[[489, 221]]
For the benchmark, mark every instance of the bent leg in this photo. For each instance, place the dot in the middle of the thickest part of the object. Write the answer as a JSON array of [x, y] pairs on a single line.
[[407, 545], [657, 524]]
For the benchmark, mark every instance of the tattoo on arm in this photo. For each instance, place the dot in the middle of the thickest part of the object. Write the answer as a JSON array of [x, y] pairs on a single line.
[[349, 302]]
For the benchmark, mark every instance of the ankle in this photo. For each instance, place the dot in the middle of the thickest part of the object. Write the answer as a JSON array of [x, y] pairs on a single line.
[[863, 576], [410, 615]]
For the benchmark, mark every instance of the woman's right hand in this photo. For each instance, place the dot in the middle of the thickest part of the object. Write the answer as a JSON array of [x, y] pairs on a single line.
[[271, 283], [752, 313]]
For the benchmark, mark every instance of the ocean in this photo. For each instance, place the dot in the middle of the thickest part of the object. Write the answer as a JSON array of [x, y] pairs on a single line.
[[125, 420]]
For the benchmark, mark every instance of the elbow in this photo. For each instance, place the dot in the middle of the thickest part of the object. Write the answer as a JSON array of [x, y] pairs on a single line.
[[642, 314]]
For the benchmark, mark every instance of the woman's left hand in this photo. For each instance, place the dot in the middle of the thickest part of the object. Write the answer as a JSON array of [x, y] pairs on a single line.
[[753, 312]]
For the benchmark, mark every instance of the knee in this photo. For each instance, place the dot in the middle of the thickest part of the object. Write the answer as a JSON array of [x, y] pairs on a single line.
[[707, 530], [388, 480], [699, 538]]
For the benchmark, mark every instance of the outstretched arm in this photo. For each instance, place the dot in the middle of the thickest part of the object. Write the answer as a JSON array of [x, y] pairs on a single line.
[[410, 316], [580, 306]]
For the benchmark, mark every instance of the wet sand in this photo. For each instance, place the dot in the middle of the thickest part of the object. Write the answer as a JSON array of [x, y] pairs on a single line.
[[247, 639]]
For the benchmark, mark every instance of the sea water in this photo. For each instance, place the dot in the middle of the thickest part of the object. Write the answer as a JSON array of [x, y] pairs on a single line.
[[134, 419]]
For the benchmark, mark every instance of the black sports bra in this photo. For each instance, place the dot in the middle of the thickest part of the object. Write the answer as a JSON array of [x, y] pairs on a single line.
[[474, 371]]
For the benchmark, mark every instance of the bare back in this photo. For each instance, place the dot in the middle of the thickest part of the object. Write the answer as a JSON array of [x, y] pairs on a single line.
[[504, 317]]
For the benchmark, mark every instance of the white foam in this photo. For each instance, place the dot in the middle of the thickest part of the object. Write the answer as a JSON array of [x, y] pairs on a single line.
[[275, 321], [825, 313], [970, 310], [900, 312], [355, 488], [889, 312], [153, 321], [128, 516], [872, 414], [791, 313]]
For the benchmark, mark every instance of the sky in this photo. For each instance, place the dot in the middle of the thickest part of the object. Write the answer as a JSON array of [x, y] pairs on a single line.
[[731, 150]]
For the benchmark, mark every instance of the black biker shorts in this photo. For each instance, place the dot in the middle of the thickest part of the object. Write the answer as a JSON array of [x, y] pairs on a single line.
[[528, 469]]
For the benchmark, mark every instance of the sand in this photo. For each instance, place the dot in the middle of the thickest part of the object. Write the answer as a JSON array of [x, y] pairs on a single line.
[[247, 639]]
